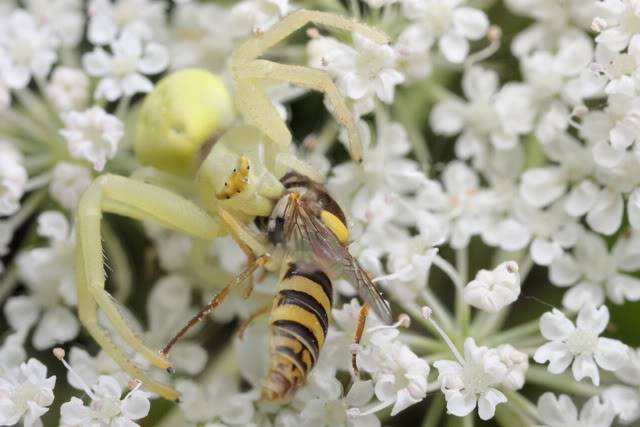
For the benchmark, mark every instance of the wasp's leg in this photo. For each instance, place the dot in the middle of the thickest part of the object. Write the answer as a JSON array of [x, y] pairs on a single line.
[[357, 336], [256, 46], [128, 197], [247, 240], [253, 316], [262, 113], [216, 301]]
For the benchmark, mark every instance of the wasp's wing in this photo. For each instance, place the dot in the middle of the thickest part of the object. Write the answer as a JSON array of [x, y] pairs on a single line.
[[309, 240]]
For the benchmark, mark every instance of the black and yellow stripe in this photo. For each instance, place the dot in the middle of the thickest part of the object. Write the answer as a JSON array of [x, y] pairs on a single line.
[[298, 328]]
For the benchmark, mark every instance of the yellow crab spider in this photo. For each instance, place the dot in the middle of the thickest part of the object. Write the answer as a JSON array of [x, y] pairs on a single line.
[[183, 139]]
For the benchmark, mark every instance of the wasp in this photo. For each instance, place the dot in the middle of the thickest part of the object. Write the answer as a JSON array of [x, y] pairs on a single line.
[[208, 173]]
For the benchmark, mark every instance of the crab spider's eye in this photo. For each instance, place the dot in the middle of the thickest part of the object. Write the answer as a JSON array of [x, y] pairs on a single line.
[[184, 111]]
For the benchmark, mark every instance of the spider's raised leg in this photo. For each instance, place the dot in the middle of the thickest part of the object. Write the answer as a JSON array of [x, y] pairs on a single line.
[[251, 75], [135, 199], [261, 112]]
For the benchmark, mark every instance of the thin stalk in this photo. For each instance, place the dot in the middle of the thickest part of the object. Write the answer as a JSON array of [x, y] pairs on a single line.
[[463, 311], [29, 206], [515, 333], [468, 420], [527, 409], [422, 344], [562, 382], [354, 7], [8, 282]]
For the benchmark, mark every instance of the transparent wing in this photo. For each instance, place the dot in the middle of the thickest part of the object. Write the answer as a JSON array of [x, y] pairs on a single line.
[[308, 240]]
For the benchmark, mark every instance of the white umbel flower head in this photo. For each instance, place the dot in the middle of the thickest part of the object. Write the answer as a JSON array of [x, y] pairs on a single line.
[[580, 344], [13, 179], [25, 394], [561, 412], [472, 381], [626, 398], [68, 88], [493, 290], [92, 135], [106, 407], [29, 49], [452, 23], [123, 71]]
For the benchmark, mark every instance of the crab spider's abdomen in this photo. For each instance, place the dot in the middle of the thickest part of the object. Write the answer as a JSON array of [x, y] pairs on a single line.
[[170, 132]]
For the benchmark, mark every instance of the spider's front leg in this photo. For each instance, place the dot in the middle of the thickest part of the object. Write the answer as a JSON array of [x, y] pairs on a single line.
[[252, 75], [134, 199]]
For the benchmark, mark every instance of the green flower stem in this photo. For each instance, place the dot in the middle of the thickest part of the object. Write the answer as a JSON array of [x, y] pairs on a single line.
[[515, 333], [8, 281], [123, 107], [37, 109], [463, 311], [527, 410], [38, 181], [48, 103], [32, 203], [434, 411], [450, 271], [562, 382], [354, 7], [468, 420], [27, 126], [421, 344], [415, 313], [37, 162], [121, 269]]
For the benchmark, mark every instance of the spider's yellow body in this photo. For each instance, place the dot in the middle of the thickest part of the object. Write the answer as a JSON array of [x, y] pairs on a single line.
[[190, 137]]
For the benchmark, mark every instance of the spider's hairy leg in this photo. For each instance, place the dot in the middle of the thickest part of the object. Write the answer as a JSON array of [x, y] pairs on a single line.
[[261, 112], [128, 197], [256, 46], [253, 316]]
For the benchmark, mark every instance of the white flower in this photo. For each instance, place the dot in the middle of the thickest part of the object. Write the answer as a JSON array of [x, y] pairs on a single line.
[[472, 381], [400, 377], [87, 369], [620, 17], [626, 398], [494, 115], [68, 88], [452, 23], [145, 18], [68, 182], [49, 276], [93, 135], [217, 401], [561, 412], [256, 15], [366, 70], [580, 345], [29, 49], [13, 179], [12, 352], [122, 72], [517, 364], [414, 52], [493, 290], [25, 394], [325, 405], [64, 18], [592, 271], [194, 42], [106, 407]]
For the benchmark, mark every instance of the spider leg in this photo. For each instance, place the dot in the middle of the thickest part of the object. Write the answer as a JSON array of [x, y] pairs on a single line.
[[253, 316], [258, 109], [135, 199], [256, 46]]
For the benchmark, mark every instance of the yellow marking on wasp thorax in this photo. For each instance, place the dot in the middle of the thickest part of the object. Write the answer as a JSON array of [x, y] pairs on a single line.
[[299, 314], [335, 225], [237, 181], [308, 286]]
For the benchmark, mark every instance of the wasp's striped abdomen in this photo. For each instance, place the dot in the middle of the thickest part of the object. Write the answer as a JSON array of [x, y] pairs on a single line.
[[298, 327]]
